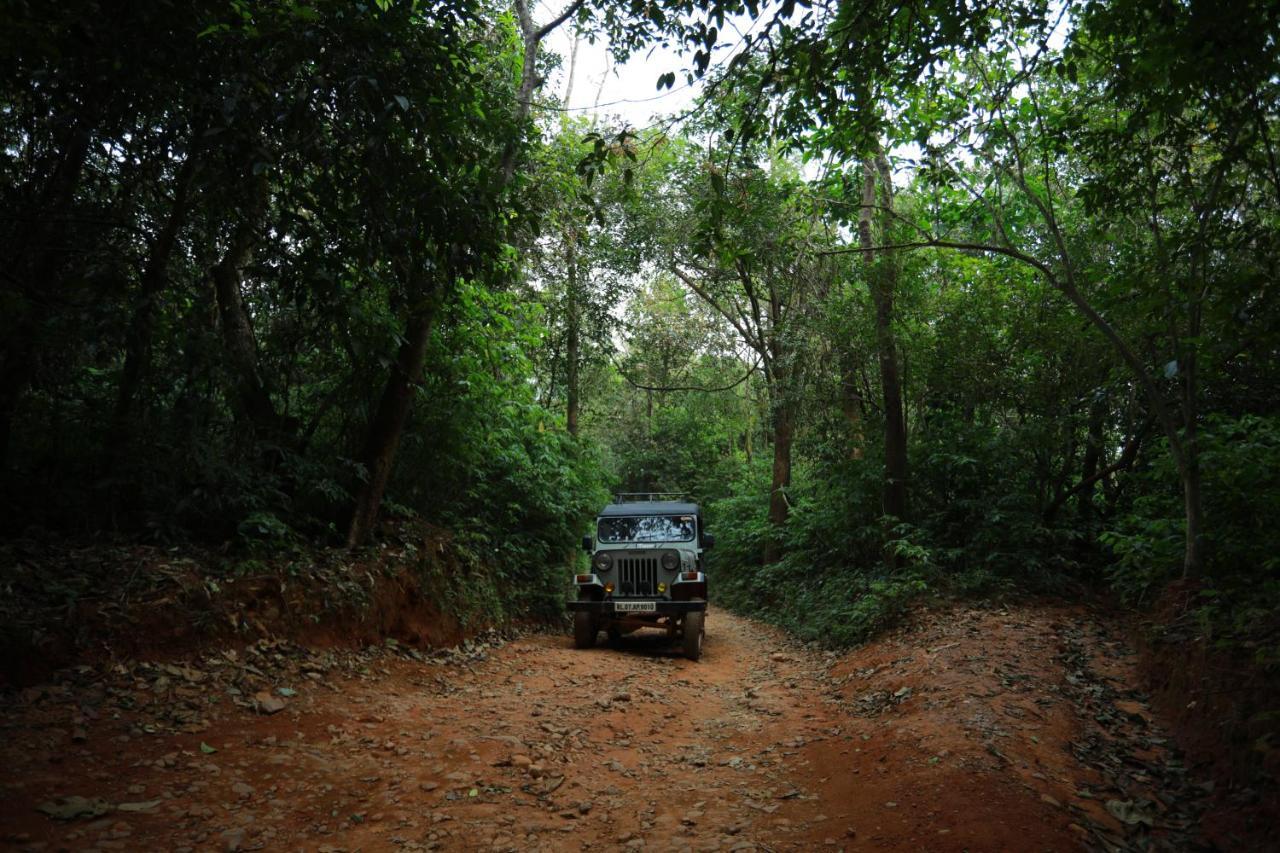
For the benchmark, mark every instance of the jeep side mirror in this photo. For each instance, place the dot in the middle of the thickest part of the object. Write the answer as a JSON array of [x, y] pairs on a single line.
[[708, 540], [587, 544]]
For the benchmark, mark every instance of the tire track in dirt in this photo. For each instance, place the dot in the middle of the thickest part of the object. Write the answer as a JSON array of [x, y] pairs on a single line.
[[953, 734]]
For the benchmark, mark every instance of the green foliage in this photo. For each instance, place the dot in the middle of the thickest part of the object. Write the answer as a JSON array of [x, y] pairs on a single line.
[[1240, 461], [485, 460], [976, 496], [243, 209], [829, 587]]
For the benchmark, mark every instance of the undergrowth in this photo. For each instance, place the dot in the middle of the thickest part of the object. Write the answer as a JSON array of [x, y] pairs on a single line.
[[833, 583]]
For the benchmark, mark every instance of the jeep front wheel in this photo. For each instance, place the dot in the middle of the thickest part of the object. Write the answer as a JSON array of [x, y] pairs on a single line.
[[693, 630], [584, 630]]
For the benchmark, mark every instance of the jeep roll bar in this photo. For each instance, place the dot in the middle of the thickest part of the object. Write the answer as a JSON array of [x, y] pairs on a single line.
[[630, 497]]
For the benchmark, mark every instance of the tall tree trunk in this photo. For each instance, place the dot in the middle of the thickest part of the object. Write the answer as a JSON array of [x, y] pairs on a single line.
[[1193, 560], [851, 407], [1192, 498], [253, 398], [782, 423], [882, 274], [783, 435], [155, 277], [895, 432], [531, 35], [387, 424], [573, 69], [779, 508], [573, 344], [1092, 457]]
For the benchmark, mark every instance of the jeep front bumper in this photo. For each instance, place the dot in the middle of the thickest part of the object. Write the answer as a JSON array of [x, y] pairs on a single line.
[[626, 606]]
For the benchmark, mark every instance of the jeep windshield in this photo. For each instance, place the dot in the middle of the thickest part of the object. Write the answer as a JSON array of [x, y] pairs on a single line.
[[646, 528]]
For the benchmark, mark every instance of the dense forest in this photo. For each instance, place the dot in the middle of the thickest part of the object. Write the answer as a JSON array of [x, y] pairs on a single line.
[[919, 300]]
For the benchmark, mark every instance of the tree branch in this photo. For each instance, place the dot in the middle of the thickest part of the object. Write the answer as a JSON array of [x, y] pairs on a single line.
[[700, 388], [952, 244], [1128, 455], [750, 340], [551, 25]]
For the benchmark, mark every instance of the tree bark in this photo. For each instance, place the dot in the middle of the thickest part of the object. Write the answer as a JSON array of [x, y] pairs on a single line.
[[137, 359], [573, 343], [1193, 560], [882, 276], [387, 424], [252, 396], [851, 408], [783, 428], [1092, 456], [783, 435]]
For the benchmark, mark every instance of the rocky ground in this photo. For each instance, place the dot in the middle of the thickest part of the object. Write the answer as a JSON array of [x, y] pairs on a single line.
[[969, 729]]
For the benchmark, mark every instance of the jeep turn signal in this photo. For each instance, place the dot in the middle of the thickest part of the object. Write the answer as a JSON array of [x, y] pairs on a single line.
[[662, 587], [609, 588], [689, 576]]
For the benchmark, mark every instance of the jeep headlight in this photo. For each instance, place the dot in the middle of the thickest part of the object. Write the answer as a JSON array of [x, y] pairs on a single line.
[[671, 561], [603, 562]]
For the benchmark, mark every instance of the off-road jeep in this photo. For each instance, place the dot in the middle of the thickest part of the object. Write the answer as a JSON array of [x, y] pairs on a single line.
[[646, 572]]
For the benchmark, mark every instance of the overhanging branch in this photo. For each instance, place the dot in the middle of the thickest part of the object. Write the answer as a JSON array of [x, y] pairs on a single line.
[[950, 244], [702, 389]]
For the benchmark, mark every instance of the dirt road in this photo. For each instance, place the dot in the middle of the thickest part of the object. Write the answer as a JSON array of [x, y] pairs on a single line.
[[970, 730]]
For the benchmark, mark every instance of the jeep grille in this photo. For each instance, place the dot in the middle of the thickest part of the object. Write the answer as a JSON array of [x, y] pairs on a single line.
[[637, 575]]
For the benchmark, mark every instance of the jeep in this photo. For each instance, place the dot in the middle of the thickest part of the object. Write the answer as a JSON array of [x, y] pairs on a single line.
[[646, 572]]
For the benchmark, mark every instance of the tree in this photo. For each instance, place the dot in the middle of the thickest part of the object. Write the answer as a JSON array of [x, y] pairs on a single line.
[[882, 277], [754, 261], [439, 260], [1024, 144]]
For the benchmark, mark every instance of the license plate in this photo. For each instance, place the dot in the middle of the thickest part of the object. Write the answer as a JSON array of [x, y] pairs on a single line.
[[635, 607]]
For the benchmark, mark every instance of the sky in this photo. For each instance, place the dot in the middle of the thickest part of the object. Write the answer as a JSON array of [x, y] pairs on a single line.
[[630, 91]]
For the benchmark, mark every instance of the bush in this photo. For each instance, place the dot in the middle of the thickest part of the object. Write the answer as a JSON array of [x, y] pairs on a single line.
[[1239, 596], [830, 586], [1240, 467]]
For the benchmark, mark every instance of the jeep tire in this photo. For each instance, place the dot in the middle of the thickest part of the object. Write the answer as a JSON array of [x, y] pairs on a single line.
[[693, 630], [584, 630]]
